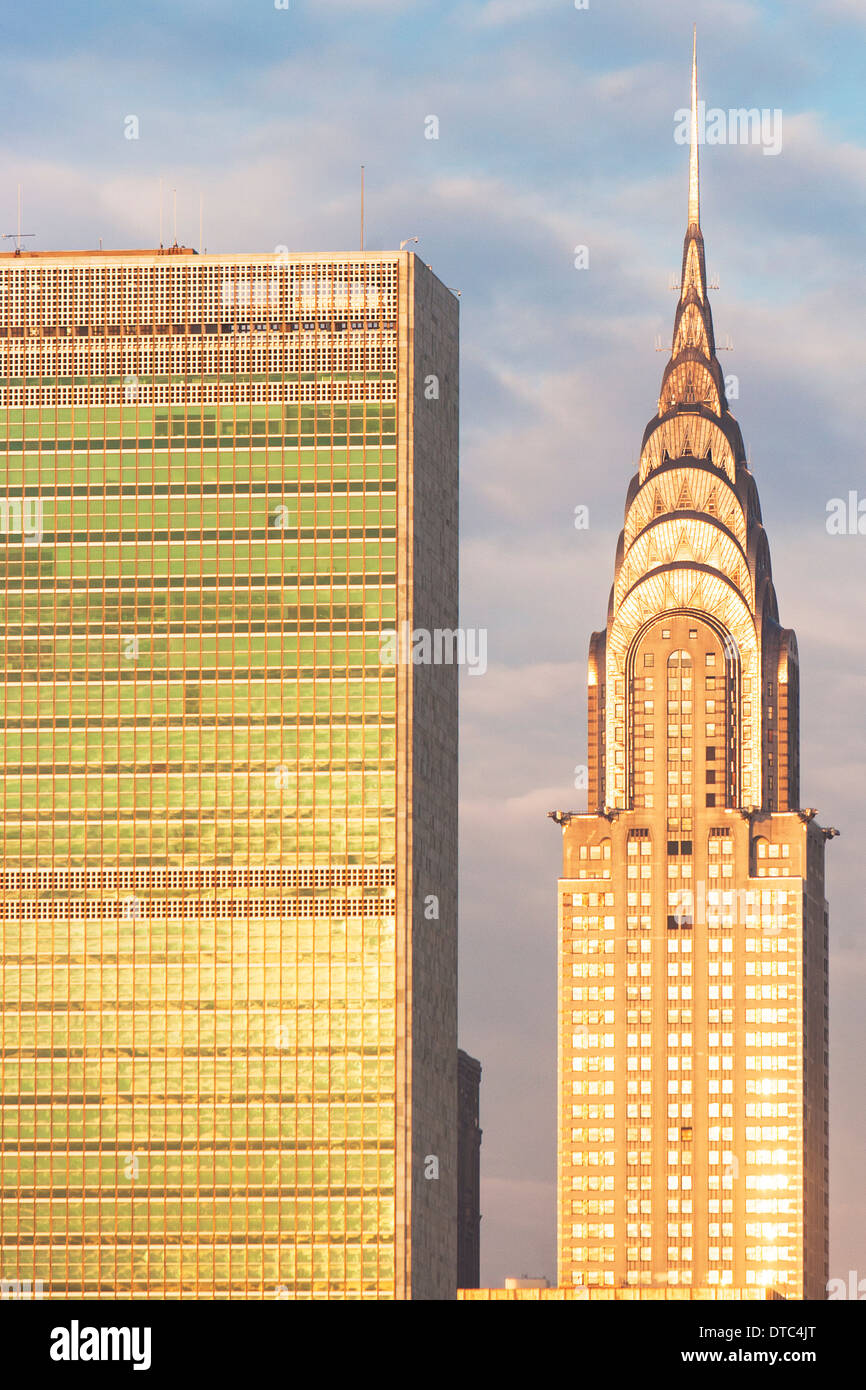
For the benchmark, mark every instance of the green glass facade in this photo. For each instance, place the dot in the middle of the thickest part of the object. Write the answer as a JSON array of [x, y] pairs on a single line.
[[201, 920]]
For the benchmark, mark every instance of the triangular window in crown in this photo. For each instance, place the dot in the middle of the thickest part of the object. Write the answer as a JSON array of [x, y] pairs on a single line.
[[684, 501], [684, 549], [692, 276]]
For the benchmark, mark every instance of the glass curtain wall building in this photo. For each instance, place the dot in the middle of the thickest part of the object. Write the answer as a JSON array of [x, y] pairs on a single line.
[[228, 1031]]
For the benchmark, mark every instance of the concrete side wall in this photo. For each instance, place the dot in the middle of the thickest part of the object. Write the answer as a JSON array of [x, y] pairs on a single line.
[[435, 485]]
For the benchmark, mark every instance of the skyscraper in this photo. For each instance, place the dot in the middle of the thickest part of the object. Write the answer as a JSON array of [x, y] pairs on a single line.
[[693, 1010], [228, 1023]]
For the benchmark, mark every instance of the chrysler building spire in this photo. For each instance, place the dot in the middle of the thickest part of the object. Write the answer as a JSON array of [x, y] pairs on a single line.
[[694, 181], [693, 373]]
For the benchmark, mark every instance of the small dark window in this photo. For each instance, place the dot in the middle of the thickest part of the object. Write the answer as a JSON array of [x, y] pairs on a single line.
[[711, 753], [711, 798], [673, 846], [711, 775], [679, 919], [685, 846]]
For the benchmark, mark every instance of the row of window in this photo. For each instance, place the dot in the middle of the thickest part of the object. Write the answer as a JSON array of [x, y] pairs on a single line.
[[279, 391], [377, 321]]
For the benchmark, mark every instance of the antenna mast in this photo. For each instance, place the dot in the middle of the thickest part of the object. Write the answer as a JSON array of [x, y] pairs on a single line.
[[19, 234]]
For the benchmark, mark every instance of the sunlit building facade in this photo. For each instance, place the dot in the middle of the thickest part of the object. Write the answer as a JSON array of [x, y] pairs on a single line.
[[693, 1008], [227, 1027]]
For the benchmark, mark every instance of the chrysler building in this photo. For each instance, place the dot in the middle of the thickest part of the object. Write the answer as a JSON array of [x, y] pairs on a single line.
[[693, 928]]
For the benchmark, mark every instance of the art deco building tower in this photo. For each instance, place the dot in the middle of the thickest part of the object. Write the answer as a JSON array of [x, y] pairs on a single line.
[[693, 926], [228, 1052]]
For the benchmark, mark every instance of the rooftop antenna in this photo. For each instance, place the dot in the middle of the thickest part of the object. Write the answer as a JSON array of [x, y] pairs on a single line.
[[200, 223], [362, 207], [160, 214], [19, 234], [174, 191]]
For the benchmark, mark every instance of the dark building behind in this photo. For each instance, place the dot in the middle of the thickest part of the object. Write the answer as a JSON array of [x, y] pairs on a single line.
[[468, 1172]]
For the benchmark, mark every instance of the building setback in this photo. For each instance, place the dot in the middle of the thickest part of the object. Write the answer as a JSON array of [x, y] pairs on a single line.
[[693, 1008], [229, 1013]]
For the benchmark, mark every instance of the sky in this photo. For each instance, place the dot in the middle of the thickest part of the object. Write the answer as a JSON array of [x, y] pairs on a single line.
[[555, 130]]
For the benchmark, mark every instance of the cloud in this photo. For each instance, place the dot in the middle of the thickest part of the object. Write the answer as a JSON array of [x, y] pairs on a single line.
[[495, 14], [373, 6]]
